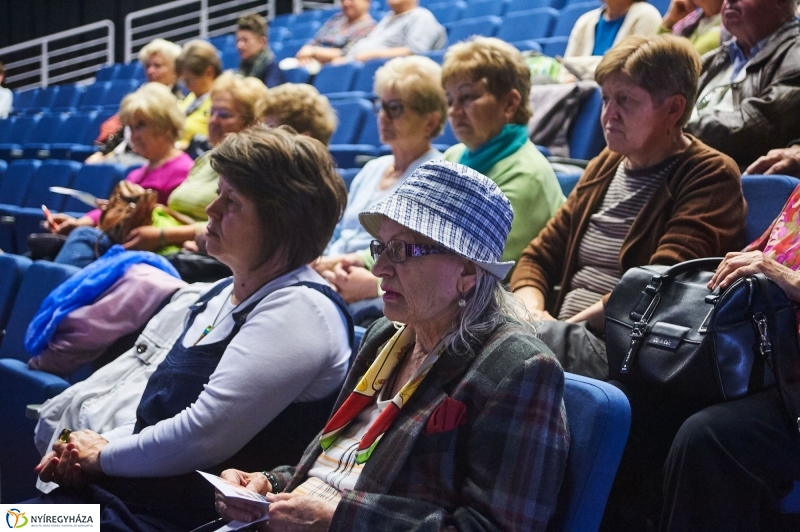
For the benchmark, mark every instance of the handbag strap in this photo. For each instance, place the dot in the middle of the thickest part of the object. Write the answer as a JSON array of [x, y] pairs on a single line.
[[767, 330], [648, 301]]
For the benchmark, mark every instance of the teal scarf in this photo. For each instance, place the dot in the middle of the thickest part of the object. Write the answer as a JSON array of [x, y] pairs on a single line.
[[508, 141]]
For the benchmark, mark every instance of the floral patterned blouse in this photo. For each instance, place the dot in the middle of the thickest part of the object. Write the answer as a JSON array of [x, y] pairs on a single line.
[[781, 240], [338, 32]]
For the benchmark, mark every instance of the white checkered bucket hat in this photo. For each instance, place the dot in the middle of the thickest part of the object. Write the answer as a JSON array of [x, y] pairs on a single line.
[[455, 206]]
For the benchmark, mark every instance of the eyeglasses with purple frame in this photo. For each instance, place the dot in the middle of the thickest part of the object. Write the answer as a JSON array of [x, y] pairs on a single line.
[[399, 251]]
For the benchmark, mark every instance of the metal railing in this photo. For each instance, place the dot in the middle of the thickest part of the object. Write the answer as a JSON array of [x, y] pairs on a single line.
[[183, 20], [68, 56]]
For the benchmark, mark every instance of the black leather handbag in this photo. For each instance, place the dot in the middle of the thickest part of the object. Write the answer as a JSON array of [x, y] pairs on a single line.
[[666, 331]]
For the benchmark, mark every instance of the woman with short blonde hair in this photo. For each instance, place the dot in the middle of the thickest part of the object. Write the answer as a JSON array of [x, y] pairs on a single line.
[[487, 83], [248, 93], [302, 107], [158, 59], [410, 108], [417, 80], [496, 61], [155, 103], [155, 122]]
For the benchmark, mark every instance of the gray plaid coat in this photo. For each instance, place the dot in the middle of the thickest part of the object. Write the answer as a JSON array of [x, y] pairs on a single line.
[[499, 467]]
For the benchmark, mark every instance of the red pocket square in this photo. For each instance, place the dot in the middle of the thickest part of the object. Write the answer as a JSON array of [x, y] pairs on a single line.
[[447, 416]]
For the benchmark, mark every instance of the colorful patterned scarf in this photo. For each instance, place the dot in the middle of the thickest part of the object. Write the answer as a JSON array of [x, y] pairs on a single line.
[[378, 374]]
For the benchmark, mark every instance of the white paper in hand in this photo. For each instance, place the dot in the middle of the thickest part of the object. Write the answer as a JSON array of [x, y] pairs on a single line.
[[232, 491]]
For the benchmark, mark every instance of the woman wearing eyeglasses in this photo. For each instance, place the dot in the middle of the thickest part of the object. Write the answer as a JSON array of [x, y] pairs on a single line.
[[451, 417], [411, 110], [235, 102]]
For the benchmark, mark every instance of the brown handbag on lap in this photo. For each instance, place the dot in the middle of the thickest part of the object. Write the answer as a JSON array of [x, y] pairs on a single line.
[[129, 206]]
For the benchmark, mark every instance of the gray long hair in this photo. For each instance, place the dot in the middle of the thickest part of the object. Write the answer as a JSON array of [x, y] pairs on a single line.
[[489, 306]]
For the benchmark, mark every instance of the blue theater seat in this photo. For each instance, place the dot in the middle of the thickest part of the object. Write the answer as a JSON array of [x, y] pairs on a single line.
[[28, 218], [107, 73], [485, 8], [96, 179], [309, 15], [23, 100], [567, 182], [569, 15], [281, 20], [67, 98], [524, 25], [230, 59], [297, 75], [554, 46], [13, 267], [44, 99], [117, 90], [527, 5], [228, 41], [348, 174], [277, 34], [20, 386], [289, 48], [336, 78], [13, 191], [44, 132], [74, 133], [599, 418], [92, 97], [369, 131], [352, 112], [447, 12], [585, 135], [466, 28], [765, 196], [17, 179], [303, 30], [132, 70], [18, 134], [362, 82], [352, 156], [6, 129], [661, 5], [447, 138]]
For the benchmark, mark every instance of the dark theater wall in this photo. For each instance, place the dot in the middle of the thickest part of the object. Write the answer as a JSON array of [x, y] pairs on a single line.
[[22, 20]]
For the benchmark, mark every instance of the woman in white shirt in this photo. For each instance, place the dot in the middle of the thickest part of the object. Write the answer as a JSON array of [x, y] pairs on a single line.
[[262, 355], [6, 97]]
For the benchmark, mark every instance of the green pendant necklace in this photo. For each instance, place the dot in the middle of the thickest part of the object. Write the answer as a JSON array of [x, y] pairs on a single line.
[[210, 328]]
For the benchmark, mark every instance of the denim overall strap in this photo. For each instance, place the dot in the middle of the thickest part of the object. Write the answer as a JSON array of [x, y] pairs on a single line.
[[284, 438], [180, 378]]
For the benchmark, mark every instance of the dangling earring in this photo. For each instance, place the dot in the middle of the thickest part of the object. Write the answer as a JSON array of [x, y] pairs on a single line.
[[462, 302]]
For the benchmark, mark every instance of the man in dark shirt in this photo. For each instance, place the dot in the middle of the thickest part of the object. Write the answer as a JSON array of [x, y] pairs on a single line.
[[257, 60]]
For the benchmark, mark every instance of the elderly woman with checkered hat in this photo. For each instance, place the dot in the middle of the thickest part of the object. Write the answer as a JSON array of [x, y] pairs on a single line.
[[452, 415]]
